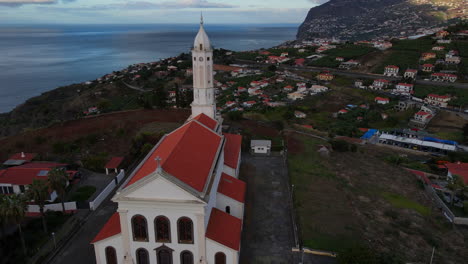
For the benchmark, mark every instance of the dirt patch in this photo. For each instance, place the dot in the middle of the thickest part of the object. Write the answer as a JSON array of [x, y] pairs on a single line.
[[256, 128], [355, 197], [111, 133], [447, 122]]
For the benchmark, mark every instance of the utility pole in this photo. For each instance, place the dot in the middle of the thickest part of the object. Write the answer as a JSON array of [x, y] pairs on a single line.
[[433, 251]]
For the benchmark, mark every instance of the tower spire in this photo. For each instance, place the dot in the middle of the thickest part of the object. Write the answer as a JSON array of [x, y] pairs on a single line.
[[201, 18]]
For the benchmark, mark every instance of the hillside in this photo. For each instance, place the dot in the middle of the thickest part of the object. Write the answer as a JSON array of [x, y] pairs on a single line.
[[364, 19]]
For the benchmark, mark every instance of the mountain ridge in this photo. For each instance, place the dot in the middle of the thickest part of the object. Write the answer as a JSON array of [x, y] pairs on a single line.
[[366, 19]]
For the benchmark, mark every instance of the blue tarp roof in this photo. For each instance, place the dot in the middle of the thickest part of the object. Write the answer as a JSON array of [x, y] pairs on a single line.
[[431, 139], [370, 133]]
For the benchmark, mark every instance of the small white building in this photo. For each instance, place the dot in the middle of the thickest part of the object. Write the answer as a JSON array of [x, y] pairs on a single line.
[[404, 88], [260, 147], [410, 73]]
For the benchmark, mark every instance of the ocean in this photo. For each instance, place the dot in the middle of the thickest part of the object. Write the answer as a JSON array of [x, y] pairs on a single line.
[[39, 58]]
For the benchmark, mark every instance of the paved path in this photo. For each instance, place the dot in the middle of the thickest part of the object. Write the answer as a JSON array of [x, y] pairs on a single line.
[[268, 233], [78, 249]]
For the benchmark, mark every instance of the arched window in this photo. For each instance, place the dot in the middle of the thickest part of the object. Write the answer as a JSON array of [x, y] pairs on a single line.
[[162, 226], [208, 59], [140, 228], [142, 256], [186, 257], [111, 255], [201, 46], [185, 229], [228, 209], [220, 258]]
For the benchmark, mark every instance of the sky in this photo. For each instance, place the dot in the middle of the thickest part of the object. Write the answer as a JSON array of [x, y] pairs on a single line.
[[154, 11]]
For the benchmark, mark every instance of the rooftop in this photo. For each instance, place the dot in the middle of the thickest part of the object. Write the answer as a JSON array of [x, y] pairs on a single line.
[[224, 229], [111, 228], [232, 187]]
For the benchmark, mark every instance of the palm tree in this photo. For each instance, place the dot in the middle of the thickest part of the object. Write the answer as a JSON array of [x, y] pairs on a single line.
[[15, 210], [39, 192], [3, 216], [58, 180]]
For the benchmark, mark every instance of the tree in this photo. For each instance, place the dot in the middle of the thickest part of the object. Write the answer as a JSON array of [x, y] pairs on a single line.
[[39, 192], [58, 179], [3, 216], [457, 186], [14, 209]]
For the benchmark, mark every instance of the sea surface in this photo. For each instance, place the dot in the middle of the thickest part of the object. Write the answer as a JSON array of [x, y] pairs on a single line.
[[39, 58]]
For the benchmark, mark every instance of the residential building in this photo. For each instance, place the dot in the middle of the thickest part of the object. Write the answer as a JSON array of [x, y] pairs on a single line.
[[404, 88], [427, 67], [382, 100], [410, 73], [380, 84], [437, 100], [428, 56], [299, 114], [325, 77], [391, 71], [296, 96], [443, 77]]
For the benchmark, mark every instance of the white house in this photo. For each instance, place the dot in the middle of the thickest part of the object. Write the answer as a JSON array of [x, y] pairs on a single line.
[[391, 70], [178, 205], [404, 88], [381, 100], [410, 73], [260, 146]]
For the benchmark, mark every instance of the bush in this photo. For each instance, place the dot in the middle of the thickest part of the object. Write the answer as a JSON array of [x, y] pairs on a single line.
[[95, 162], [83, 193], [343, 146]]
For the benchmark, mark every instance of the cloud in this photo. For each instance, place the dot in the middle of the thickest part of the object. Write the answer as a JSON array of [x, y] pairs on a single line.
[[180, 4], [16, 3]]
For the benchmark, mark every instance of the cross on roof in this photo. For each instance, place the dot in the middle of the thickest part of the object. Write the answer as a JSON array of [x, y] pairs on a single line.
[[158, 162]]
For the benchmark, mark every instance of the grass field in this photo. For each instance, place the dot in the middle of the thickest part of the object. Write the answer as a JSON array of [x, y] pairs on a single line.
[[403, 202], [402, 58], [350, 51], [355, 198]]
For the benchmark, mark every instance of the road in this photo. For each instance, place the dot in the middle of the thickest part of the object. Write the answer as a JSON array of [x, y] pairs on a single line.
[[352, 74]]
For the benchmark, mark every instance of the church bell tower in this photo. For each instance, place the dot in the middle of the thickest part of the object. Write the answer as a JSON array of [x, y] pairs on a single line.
[[203, 90]]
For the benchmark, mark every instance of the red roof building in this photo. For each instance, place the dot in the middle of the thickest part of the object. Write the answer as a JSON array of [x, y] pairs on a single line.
[[19, 158], [224, 229], [459, 169], [232, 150], [207, 121], [176, 151], [110, 229], [232, 188]]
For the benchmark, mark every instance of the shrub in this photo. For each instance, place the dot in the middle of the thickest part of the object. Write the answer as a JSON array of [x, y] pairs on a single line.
[[343, 146]]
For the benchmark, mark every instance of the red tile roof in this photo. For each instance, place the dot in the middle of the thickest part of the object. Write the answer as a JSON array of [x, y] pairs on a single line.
[[188, 154], [25, 174], [224, 229], [207, 121], [438, 96], [111, 228], [460, 169], [232, 188], [114, 163], [23, 156], [232, 149], [422, 113], [381, 99]]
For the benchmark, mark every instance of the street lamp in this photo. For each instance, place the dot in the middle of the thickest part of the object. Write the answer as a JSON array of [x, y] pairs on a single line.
[[53, 237]]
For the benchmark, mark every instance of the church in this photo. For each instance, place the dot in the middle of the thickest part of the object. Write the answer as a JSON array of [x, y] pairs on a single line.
[[184, 203]]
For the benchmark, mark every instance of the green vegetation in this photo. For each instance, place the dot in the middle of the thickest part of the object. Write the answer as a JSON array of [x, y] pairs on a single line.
[[403, 202], [350, 51], [402, 58], [327, 61], [461, 95], [419, 45], [83, 193]]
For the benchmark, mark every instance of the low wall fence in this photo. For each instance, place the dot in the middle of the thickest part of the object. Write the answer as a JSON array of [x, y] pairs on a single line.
[[441, 204], [93, 205], [56, 207]]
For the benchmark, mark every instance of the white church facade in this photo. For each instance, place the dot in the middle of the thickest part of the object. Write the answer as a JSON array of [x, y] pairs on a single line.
[[184, 203]]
